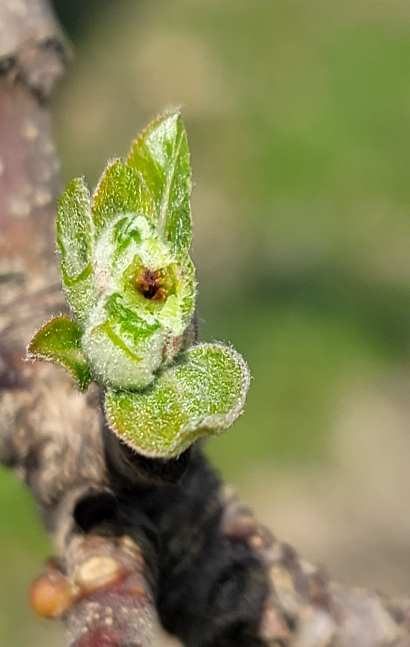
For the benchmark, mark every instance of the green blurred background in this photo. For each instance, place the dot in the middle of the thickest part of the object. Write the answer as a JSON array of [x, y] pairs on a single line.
[[298, 116]]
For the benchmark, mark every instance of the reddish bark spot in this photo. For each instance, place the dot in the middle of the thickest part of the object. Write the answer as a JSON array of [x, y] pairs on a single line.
[[101, 638]]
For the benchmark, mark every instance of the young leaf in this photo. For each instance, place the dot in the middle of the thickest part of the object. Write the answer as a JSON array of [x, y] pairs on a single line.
[[202, 394], [120, 191], [75, 240], [161, 156], [59, 341]]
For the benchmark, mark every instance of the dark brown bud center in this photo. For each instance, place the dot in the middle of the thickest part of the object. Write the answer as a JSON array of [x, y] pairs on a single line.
[[150, 284]]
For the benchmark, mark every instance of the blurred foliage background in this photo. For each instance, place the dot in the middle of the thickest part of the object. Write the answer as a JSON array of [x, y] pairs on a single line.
[[298, 116]]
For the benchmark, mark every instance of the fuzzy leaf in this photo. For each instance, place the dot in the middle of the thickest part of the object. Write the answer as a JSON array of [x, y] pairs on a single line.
[[74, 238], [161, 156], [74, 229], [59, 341], [120, 190], [202, 394], [128, 320]]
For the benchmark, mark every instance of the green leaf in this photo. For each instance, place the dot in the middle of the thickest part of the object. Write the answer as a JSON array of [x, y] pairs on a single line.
[[161, 156], [120, 191], [128, 320], [75, 240], [74, 228], [59, 341], [202, 394]]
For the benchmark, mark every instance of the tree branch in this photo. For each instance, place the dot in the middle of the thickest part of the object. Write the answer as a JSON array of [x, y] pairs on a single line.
[[48, 432], [138, 539]]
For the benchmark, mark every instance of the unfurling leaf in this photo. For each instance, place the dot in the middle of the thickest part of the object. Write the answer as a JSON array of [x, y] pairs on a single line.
[[59, 341], [202, 394], [161, 155], [75, 240], [120, 191]]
